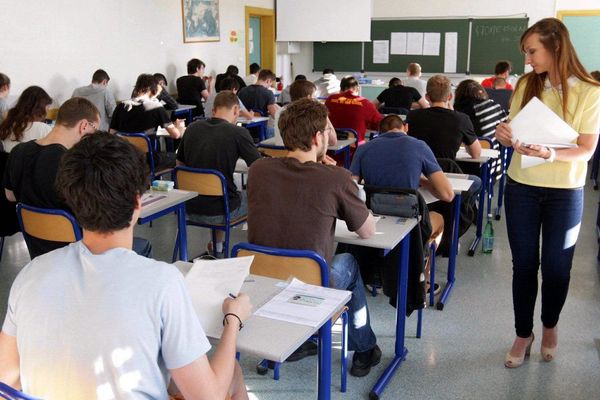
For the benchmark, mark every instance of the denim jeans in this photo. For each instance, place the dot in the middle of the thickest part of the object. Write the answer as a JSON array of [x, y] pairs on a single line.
[[346, 275], [556, 213], [241, 211]]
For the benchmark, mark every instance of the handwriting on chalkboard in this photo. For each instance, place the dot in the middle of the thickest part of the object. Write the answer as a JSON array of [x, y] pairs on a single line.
[[498, 29]]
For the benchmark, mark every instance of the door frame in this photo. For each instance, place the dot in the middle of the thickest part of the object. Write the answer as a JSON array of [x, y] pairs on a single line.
[[267, 37]]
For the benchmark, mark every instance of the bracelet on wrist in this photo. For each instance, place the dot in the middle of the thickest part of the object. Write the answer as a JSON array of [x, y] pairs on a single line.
[[233, 315], [552, 155]]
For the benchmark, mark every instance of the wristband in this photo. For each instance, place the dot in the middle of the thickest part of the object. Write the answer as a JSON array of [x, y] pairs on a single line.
[[232, 314], [552, 155]]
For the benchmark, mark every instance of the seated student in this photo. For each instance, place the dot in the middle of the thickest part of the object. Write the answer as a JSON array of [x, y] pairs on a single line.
[[231, 72], [226, 84], [25, 121], [413, 78], [502, 70], [258, 97], [192, 88], [253, 76], [100, 95], [301, 89], [285, 97], [4, 91], [485, 114], [217, 144], [95, 320], [143, 114], [395, 160], [327, 84], [164, 97], [399, 96], [328, 192], [349, 110]]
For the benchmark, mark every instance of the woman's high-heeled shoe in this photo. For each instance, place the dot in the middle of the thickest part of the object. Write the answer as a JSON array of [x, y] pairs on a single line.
[[548, 353], [515, 362]]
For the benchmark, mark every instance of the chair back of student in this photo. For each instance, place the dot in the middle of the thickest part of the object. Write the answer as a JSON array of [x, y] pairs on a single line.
[[273, 150], [141, 141], [393, 110], [48, 224], [500, 96], [346, 133], [305, 265], [8, 393], [485, 143], [205, 182]]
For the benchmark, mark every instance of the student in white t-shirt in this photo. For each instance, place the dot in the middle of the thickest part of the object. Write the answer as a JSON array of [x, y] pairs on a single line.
[[93, 320], [413, 79], [24, 122]]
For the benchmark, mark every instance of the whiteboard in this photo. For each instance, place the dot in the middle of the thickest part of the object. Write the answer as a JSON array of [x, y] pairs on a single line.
[[324, 21]]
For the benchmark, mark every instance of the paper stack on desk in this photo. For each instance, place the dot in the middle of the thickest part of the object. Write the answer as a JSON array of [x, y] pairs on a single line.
[[538, 124], [209, 283]]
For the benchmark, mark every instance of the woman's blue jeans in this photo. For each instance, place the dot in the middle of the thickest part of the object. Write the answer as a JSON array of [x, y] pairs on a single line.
[[556, 214]]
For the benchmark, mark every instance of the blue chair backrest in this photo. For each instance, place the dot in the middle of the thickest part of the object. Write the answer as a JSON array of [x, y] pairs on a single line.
[[46, 226], [393, 110], [138, 140], [205, 182], [346, 133], [500, 96], [9, 393]]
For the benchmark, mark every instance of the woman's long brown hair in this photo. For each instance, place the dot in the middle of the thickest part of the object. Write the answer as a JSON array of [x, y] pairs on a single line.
[[554, 36]]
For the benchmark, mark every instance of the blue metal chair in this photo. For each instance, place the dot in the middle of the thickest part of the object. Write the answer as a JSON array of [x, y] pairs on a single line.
[[272, 150], [207, 182], [9, 393], [346, 133], [47, 224], [143, 143], [393, 110], [305, 265]]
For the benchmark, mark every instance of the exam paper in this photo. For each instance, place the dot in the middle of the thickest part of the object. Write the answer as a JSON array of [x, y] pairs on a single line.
[[431, 44], [381, 51], [398, 43], [303, 304], [450, 51], [414, 43], [209, 283]]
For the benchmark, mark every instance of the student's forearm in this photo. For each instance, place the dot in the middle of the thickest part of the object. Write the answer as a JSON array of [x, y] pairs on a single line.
[[223, 360]]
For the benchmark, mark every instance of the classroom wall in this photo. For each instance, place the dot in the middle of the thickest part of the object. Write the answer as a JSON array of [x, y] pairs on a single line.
[[577, 5], [58, 44]]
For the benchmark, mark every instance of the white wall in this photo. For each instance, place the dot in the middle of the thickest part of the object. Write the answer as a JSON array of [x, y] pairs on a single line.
[[577, 5], [58, 44]]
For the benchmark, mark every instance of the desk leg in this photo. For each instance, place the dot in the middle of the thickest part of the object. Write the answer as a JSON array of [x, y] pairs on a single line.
[[482, 203], [324, 362], [183, 256], [263, 131], [347, 158], [400, 350], [189, 117], [453, 252]]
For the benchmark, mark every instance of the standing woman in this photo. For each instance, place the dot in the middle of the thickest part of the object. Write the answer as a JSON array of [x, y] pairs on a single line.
[[24, 122], [547, 197]]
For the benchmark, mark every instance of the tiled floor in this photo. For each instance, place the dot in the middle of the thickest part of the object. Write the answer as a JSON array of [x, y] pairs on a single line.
[[460, 355]]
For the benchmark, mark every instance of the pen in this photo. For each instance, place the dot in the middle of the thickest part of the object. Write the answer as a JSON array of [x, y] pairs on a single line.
[[232, 296]]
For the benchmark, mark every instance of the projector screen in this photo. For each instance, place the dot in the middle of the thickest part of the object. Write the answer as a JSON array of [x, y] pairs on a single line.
[[323, 20]]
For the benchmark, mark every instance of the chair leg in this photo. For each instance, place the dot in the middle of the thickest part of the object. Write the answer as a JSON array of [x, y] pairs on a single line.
[[432, 273], [344, 356], [176, 249], [1, 247], [213, 234], [226, 243], [237, 355], [276, 371], [419, 322]]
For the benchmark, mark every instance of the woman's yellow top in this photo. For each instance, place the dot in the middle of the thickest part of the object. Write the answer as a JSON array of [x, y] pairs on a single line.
[[583, 116]]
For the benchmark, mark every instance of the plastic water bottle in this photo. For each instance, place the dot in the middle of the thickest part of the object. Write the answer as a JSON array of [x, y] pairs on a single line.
[[488, 236]]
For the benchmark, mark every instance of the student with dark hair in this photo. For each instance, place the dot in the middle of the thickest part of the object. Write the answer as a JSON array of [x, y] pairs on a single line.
[[327, 84], [502, 72], [100, 95], [25, 121], [4, 91], [217, 143], [228, 83], [164, 97], [231, 72], [349, 110], [194, 87], [258, 97], [328, 192], [253, 76], [143, 113], [94, 317], [400, 96], [285, 97]]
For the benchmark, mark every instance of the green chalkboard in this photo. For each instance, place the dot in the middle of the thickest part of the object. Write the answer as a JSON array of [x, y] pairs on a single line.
[[496, 39], [341, 56], [381, 30]]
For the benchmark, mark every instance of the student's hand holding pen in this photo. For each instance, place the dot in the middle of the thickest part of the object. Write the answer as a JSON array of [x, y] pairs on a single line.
[[239, 307]]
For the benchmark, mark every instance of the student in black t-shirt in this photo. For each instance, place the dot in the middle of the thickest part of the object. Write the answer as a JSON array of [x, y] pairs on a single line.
[[217, 144], [258, 97], [192, 88], [164, 97], [400, 96], [231, 72]]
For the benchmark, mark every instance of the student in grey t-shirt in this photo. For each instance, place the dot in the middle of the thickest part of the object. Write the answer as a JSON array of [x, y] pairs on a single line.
[[100, 95], [95, 320]]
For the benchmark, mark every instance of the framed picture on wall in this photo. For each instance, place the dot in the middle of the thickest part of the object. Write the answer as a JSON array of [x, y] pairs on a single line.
[[200, 20]]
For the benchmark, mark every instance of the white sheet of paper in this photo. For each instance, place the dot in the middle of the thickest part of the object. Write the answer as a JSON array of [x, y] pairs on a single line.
[[303, 304], [381, 51], [431, 43], [450, 51], [490, 153], [414, 43], [209, 283], [398, 43]]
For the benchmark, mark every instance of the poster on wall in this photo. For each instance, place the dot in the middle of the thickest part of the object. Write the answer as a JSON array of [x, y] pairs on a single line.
[[200, 20]]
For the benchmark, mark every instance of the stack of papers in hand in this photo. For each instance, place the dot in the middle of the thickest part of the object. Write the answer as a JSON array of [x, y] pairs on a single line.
[[304, 304]]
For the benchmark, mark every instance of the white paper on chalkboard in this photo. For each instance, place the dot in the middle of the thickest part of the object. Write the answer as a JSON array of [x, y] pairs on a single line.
[[414, 44], [381, 51], [398, 43], [450, 51], [431, 44]]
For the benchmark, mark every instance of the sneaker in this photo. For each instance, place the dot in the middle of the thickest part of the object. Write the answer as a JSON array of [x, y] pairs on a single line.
[[363, 361], [308, 348], [436, 289], [216, 254]]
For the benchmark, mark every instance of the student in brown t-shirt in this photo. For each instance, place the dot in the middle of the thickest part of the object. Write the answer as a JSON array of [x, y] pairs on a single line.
[[293, 203]]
